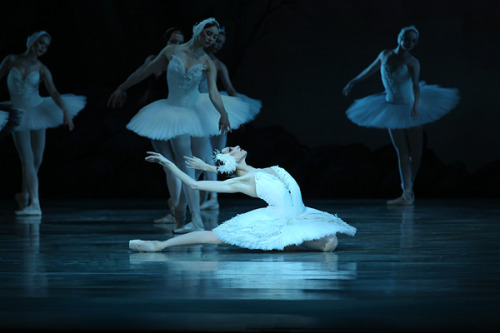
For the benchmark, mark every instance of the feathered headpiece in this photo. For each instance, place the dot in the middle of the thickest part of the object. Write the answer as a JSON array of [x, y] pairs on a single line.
[[198, 28], [224, 163], [33, 38], [405, 29]]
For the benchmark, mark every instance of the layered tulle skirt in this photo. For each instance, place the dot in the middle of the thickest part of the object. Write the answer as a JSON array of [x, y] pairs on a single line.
[[254, 105], [47, 114], [4, 116], [258, 229], [375, 111], [161, 120]]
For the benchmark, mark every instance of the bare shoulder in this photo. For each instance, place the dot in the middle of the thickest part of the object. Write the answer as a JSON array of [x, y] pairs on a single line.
[[168, 51], [413, 62]]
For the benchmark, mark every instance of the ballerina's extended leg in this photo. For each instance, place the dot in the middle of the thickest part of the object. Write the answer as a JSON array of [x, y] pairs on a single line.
[[192, 238]]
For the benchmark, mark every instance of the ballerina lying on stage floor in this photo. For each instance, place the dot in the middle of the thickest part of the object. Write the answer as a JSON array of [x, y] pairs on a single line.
[[283, 224]]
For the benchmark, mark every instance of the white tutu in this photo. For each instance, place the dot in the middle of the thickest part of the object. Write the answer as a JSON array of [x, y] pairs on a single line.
[[286, 221], [38, 112], [47, 114], [375, 111], [258, 230], [254, 105], [4, 116], [186, 110]]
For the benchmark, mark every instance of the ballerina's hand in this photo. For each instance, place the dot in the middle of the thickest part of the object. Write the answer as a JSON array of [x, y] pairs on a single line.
[[347, 89], [68, 121], [195, 163], [414, 113], [224, 125], [157, 158], [117, 98]]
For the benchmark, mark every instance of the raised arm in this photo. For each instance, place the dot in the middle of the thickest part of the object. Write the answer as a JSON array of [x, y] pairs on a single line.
[[367, 72], [198, 164], [224, 76], [214, 95], [117, 99], [46, 78], [414, 68], [6, 65], [245, 185]]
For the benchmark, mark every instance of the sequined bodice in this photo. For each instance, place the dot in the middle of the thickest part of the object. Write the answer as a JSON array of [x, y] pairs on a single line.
[[282, 193], [23, 91], [397, 83], [183, 84]]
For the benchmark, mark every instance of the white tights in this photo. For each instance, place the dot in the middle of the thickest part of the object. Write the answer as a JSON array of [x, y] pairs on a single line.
[[30, 146], [175, 149], [409, 145]]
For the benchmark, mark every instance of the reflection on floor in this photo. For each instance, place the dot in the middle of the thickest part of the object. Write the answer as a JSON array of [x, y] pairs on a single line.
[[434, 266]]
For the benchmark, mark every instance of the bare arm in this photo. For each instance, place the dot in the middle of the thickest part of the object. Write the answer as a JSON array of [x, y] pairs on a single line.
[[214, 95], [226, 81], [367, 72], [234, 185], [6, 65], [414, 68], [198, 164], [117, 99], [46, 78]]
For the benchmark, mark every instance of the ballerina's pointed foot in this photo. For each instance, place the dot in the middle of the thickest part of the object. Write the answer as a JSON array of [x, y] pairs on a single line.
[[169, 218], [407, 199], [189, 227], [209, 205], [145, 246], [29, 211]]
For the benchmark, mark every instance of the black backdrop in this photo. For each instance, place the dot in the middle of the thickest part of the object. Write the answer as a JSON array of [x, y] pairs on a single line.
[[295, 56]]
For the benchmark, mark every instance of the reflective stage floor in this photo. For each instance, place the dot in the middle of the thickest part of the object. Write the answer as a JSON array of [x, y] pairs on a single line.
[[432, 267]]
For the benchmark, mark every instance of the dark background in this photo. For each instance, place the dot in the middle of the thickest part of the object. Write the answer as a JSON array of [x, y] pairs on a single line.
[[295, 56]]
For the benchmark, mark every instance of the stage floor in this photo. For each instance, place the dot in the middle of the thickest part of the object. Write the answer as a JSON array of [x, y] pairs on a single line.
[[434, 266]]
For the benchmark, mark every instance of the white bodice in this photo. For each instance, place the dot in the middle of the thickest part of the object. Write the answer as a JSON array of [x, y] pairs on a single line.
[[397, 83], [23, 92], [204, 85], [282, 193], [183, 84]]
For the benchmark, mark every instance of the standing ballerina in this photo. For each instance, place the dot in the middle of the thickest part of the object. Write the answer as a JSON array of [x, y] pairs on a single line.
[[286, 222], [24, 74], [219, 141], [173, 36], [403, 108], [172, 122]]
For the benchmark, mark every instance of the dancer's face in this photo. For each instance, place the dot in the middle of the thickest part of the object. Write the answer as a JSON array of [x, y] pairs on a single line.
[[176, 38], [208, 36], [236, 152], [41, 45], [219, 43], [409, 40]]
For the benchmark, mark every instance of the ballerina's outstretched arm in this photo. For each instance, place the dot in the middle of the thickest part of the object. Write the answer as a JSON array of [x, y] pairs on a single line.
[[117, 98], [198, 164], [367, 72], [244, 184]]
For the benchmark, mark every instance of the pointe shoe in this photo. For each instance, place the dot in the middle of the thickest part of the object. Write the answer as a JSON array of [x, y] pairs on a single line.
[[28, 211], [407, 199], [169, 218], [145, 246], [190, 227], [209, 205], [22, 200]]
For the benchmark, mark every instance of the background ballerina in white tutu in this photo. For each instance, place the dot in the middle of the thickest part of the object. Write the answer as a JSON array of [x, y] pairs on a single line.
[[24, 73], [175, 124], [219, 141], [403, 108], [173, 36], [285, 223]]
